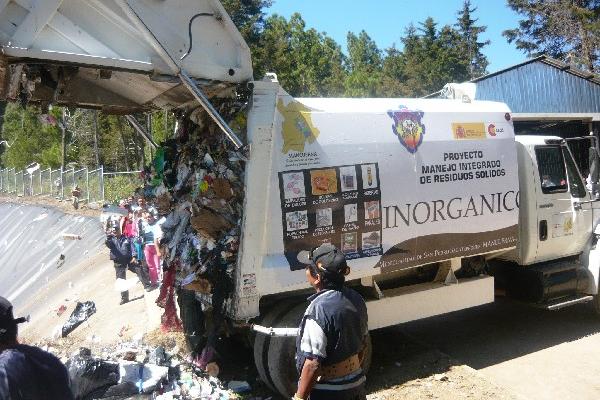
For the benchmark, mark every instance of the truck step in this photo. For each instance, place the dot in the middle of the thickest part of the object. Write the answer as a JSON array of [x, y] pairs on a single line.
[[562, 303]]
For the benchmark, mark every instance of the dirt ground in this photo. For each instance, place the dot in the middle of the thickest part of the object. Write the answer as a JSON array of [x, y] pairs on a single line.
[[408, 369], [92, 210]]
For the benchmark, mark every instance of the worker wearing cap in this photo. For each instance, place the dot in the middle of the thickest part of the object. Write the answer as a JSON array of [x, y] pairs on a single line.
[[27, 372], [332, 333]]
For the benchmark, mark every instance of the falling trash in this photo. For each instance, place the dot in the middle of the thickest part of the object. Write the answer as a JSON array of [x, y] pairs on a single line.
[[80, 314]]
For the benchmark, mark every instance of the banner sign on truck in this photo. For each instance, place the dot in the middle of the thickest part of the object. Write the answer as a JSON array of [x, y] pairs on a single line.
[[394, 183]]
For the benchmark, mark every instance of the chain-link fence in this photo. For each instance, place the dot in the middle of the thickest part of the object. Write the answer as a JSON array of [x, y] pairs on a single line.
[[95, 185]]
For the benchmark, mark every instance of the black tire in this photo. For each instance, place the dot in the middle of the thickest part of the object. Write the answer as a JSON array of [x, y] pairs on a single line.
[[368, 356], [596, 302], [282, 352], [262, 342]]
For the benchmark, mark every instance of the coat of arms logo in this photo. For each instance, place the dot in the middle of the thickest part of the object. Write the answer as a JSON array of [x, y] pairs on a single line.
[[408, 127]]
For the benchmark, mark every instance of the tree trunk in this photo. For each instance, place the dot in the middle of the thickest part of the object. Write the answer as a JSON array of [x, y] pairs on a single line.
[[121, 135]]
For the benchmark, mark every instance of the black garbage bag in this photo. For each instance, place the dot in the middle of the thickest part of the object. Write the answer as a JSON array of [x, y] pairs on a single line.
[[91, 377], [120, 391], [81, 313]]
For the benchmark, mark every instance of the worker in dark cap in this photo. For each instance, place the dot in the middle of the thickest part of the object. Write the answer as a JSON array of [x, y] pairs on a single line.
[[27, 372], [333, 331]]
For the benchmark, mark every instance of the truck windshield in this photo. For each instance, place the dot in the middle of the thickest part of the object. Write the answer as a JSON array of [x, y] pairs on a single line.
[[551, 167]]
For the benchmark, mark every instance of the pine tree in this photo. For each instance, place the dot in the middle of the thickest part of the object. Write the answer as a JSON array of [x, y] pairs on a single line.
[[364, 66], [565, 29], [471, 46]]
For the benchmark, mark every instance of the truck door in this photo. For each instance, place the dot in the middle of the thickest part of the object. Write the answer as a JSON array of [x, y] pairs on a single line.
[[581, 148], [564, 222]]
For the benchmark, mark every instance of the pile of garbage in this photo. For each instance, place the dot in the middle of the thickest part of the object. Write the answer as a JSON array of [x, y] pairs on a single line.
[[196, 184], [133, 369]]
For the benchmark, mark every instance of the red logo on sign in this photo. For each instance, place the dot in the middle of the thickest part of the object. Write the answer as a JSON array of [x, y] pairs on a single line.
[[492, 129]]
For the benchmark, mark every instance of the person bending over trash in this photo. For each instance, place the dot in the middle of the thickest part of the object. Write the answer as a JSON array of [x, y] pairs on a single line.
[[333, 331], [27, 372], [121, 253]]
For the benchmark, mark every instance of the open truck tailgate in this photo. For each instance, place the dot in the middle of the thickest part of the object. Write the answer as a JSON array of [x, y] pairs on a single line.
[[121, 56]]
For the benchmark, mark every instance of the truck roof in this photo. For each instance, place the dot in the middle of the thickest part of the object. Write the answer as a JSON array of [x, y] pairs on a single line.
[[370, 105], [530, 140]]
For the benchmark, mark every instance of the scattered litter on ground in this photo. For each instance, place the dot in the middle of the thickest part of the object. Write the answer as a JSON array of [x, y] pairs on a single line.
[[70, 236], [80, 314], [239, 386], [60, 310], [40, 217], [134, 368], [123, 285], [61, 261]]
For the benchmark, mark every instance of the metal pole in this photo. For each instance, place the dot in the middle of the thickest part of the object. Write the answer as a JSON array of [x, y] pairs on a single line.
[[15, 176], [41, 188], [189, 83], [101, 180], [87, 185], [140, 129], [62, 185]]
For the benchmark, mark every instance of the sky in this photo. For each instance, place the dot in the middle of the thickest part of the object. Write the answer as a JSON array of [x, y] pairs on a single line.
[[386, 20]]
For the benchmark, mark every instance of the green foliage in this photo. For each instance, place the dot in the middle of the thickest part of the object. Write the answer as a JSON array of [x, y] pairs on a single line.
[[29, 139], [118, 187], [364, 66], [307, 63], [470, 44], [565, 29]]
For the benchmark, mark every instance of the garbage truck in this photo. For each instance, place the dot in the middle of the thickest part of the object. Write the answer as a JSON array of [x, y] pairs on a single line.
[[435, 202]]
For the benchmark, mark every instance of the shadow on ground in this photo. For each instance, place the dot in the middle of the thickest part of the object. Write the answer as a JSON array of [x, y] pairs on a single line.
[[501, 331]]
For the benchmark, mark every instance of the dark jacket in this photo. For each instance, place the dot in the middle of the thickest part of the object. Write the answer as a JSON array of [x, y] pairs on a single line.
[[333, 329], [121, 249], [28, 372]]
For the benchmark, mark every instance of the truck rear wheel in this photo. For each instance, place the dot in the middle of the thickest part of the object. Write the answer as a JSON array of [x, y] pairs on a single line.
[[282, 351], [596, 301], [263, 342]]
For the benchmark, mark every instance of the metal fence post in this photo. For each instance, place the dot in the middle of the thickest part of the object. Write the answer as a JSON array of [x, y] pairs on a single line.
[[62, 186], [15, 175], [102, 183], [87, 184]]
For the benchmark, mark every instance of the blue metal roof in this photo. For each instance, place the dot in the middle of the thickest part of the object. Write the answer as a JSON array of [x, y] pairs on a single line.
[[542, 85]]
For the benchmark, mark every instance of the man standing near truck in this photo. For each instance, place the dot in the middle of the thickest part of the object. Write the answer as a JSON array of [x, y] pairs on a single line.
[[333, 331]]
